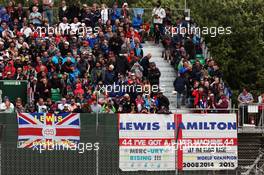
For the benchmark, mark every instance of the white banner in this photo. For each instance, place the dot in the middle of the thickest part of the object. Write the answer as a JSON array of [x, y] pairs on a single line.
[[204, 142], [207, 142], [145, 143]]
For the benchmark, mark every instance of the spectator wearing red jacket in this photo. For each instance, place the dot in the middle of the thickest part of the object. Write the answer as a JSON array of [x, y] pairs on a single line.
[[9, 70], [78, 90]]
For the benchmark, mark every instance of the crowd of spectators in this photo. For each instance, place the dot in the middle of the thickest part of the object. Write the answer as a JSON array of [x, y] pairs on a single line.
[[67, 62], [199, 82]]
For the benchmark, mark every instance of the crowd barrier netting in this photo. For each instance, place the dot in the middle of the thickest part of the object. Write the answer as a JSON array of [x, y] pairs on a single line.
[[102, 129]]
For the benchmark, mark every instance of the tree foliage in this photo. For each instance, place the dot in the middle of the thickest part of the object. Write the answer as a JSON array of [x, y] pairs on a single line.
[[241, 53]]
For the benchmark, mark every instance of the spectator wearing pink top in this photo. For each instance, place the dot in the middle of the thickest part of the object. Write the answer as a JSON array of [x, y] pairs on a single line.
[[78, 90]]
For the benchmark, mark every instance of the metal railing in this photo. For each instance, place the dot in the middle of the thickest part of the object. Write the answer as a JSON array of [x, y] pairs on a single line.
[[255, 167]]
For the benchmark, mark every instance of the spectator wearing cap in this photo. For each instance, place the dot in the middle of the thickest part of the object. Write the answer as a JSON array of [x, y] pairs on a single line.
[[6, 106], [85, 47], [153, 74], [64, 48]]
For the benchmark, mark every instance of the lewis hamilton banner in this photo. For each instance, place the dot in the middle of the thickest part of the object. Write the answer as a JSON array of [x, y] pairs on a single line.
[[157, 142]]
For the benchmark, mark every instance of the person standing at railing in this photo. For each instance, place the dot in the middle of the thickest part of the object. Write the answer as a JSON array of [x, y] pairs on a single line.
[[244, 99], [158, 14]]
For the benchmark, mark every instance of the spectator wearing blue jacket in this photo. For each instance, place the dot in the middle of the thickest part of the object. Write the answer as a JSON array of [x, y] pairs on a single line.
[[137, 22], [115, 13]]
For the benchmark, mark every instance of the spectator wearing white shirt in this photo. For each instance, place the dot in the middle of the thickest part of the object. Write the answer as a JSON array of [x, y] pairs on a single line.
[[244, 99], [26, 30], [42, 108], [158, 14], [104, 13], [62, 104], [75, 26], [64, 26], [7, 106]]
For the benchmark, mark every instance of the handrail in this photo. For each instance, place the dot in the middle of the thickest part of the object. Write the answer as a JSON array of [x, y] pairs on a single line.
[[255, 163]]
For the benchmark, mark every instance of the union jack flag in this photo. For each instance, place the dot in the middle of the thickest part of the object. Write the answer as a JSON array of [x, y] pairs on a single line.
[[40, 128]]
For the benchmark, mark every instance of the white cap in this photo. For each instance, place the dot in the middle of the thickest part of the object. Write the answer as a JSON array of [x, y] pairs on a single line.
[[111, 66]]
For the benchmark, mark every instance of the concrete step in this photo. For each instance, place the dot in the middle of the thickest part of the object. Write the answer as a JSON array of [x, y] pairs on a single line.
[[168, 73]]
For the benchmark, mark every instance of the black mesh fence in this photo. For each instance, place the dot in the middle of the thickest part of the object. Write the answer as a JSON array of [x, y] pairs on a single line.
[[17, 161]]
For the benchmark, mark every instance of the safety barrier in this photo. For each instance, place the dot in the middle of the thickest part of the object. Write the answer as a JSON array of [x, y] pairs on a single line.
[[100, 129]]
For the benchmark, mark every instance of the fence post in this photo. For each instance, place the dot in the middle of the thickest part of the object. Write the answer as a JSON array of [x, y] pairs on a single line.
[[262, 118], [97, 152], [176, 142]]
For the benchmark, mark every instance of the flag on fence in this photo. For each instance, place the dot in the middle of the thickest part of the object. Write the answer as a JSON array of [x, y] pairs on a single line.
[[48, 129]]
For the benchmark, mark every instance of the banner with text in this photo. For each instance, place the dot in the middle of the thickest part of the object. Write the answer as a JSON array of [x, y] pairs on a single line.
[[145, 142], [152, 142]]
